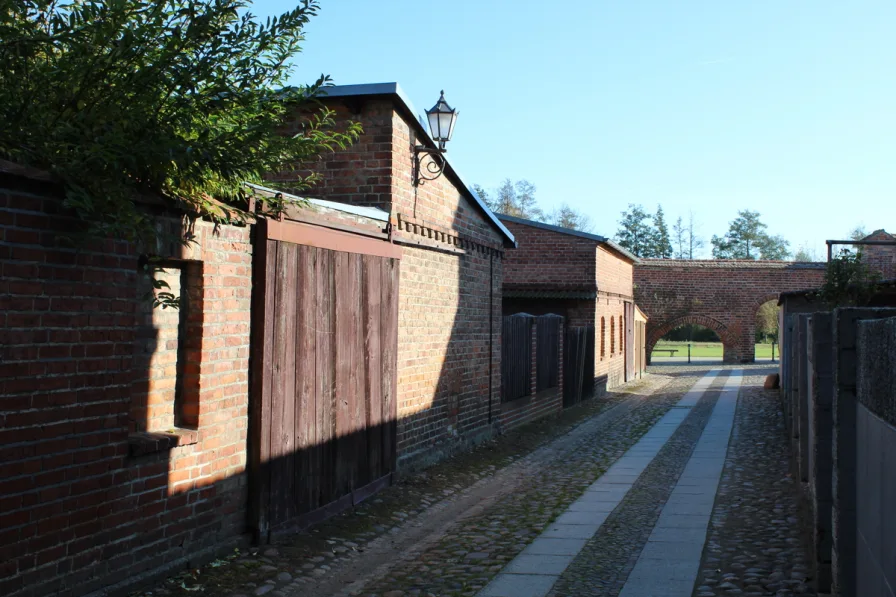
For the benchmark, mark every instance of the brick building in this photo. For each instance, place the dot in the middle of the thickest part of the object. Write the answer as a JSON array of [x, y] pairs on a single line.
[[125, 444], [881, 258], [449, 335], [584, 277]]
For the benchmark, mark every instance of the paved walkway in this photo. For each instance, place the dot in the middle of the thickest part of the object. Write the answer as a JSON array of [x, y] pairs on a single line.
[[669, 563], [673, 486]]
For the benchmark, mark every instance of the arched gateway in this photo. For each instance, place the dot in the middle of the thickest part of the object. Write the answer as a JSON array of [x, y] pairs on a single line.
[[722, 295]]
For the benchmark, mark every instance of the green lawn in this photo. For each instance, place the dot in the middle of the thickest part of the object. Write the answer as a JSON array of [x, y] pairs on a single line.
[[709, 349]]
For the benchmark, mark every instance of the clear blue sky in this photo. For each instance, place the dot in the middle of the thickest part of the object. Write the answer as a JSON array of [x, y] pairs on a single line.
[[787, 107]]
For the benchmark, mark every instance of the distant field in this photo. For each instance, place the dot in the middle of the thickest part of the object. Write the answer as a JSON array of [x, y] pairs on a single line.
[[709, 349]]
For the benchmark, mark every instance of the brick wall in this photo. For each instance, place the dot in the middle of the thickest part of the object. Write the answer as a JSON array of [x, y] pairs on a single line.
[[552, 260], [85, 503], [722, 295], [545, 258], [449, 287], [614, 283], [881, 257]]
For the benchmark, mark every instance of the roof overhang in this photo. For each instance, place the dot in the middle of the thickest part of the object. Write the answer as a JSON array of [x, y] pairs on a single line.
[[405, 106]]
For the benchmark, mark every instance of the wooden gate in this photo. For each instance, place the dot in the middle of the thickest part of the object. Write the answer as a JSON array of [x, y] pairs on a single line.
[[324, 341], [578, 365]]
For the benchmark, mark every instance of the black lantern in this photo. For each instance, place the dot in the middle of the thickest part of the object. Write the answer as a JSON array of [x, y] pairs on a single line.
[[430, 161], [441, 121]]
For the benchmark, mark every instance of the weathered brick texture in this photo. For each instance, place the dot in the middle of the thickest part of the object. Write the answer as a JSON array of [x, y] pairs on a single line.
[[550, 261], [449, 340], [80, 509], [722, 295], [881, 258]]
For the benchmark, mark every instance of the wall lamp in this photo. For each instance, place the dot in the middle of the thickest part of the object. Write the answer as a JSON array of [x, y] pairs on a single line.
[[429, 162]]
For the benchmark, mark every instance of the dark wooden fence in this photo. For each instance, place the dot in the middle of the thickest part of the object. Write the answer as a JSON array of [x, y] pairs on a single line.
[[517, 358], [547, 365], [578, 365]]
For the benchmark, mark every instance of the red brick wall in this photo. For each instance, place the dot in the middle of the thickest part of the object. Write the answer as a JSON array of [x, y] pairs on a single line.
[[881, 257], [721, 295], [449, 288], [544, 258], [79, 512]]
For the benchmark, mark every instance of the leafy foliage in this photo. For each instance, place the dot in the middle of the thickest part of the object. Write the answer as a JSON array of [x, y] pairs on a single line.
[[662, 243], [848, 281], [767, 322], [643, 234], [746, 239], [182, 99]]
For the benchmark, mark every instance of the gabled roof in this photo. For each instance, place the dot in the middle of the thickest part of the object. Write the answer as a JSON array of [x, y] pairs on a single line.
[[603, 240], [395, 91]]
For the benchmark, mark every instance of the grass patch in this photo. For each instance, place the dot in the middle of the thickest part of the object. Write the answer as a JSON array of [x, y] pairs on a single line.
[[708, 349]]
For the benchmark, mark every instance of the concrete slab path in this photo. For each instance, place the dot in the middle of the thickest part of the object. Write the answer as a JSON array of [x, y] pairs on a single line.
[[669, 563], [535, 570]]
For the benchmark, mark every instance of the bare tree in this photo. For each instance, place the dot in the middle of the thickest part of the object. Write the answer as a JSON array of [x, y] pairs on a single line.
[[695, 242]]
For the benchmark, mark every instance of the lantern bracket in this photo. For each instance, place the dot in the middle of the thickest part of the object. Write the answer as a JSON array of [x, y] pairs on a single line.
[[429, 163]]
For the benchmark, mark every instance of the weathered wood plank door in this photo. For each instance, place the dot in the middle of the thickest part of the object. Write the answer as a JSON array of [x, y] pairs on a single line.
[[324, 342]]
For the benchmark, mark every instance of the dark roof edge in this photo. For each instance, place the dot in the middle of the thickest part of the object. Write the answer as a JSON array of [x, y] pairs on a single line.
[[395, 90], [595, 237]]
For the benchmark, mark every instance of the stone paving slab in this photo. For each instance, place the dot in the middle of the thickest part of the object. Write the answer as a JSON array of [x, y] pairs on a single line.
[[609, 490], [755, 544], [658, 565]]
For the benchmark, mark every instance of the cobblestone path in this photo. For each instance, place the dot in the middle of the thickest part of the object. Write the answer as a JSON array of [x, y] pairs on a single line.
[[603, 566], [451, 530], [755, 546]]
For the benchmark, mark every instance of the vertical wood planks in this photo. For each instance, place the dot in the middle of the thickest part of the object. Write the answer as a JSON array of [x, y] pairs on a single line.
[[325, 356], [389, 346], [306, 339], [372, 283], [324, 377]]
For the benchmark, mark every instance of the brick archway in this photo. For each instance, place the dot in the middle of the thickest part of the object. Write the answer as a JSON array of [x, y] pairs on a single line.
[[722, 295], [656, 332]]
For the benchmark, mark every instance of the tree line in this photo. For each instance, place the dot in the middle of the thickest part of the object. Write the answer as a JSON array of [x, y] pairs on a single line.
[[518, 199], [648, 235]]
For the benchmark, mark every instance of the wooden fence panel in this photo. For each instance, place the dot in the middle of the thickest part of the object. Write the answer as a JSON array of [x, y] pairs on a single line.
[[578, 372], [516, 357], [547, 353]]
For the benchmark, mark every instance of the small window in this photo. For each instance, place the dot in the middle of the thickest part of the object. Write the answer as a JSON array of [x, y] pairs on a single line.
[[603, 337], [158, 396], [612, 335], [621, 335]]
